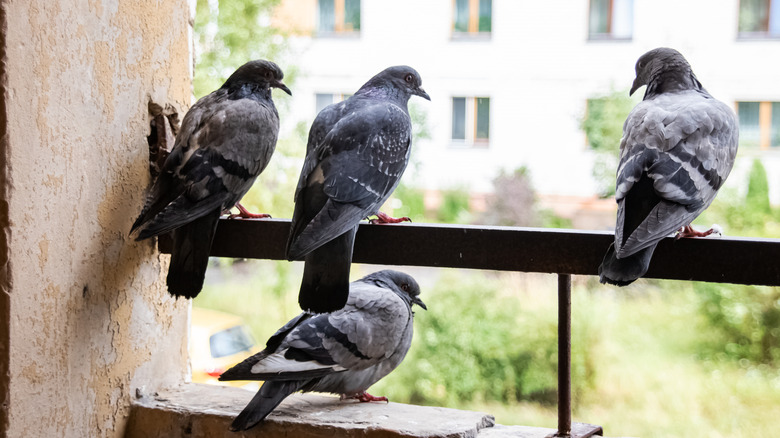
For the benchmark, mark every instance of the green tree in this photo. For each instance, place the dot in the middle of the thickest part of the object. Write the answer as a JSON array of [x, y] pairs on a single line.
[[758, 189], [477, 343], [228, 33], [603, 126], [744, 320], [454, 207]]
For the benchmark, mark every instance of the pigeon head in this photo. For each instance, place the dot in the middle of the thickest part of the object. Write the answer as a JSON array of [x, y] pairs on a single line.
[[664, 69], [264, 73], [400, 82], [402, 284]]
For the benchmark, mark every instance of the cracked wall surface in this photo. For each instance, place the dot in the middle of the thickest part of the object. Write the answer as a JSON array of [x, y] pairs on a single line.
[[83, 308]]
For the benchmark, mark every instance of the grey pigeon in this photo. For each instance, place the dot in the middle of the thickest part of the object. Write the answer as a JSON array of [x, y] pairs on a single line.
[[343, 352], [357, 151], [677, 149], [226, 140]]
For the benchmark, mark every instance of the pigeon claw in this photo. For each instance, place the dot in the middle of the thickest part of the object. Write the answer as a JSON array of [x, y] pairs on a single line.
[[382, 218], [688, 231], [243, 213], [366, 397]]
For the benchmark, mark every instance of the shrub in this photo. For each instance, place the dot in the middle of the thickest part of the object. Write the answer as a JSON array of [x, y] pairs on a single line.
[[477, 344]]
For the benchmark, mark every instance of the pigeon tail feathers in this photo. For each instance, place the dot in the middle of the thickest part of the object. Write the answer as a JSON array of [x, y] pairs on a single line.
[[264, 402], [190, 255], [622, 272], [325, 284], [179, 212]]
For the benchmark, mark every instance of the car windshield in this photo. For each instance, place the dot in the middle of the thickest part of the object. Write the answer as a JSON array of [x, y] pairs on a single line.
[[230, 341]]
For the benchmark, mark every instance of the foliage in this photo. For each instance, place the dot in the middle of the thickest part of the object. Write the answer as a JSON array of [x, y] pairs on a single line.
[[758, 190], [745, 320], [454, 206], [475, 344], [603, 127], [410, 202], [228, 33], [513, 203]]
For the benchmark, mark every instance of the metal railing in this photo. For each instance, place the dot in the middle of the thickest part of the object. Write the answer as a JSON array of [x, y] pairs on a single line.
[[554, 251]]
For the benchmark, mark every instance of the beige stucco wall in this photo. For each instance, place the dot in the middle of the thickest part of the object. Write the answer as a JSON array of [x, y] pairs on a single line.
[[90, 321]]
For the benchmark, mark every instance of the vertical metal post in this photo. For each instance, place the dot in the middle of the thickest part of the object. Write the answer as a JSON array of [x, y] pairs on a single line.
[[564, 355]]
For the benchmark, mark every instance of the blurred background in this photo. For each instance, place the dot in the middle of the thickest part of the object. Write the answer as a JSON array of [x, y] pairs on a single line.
[[528, 102]]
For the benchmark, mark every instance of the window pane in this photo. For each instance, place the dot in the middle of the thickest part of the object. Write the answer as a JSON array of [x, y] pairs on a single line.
[[323, 100], [461, 15], [326, 12], [753, 15], [485, 15], [599, 10], [775, 134], [749, 128], [458, 118], [483, 118], [623, 18], [352, 15], [774, 18]]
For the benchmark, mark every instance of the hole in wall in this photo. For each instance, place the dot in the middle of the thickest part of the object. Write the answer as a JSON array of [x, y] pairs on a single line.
[[164, 125]]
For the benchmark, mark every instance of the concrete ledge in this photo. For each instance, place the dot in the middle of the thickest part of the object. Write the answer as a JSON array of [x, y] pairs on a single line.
[[193, 410]]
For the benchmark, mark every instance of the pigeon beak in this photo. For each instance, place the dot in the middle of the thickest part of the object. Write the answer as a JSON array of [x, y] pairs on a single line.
[[637, 83], [281, 86], [420, 92], [419, 302]]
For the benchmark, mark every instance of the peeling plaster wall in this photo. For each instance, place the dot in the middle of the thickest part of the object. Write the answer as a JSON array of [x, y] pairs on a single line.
[[90, 321]]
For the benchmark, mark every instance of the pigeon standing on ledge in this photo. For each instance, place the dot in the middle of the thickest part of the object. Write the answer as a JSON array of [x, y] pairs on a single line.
[[678, 147], [357, 151], [344, 352], [226, 140]]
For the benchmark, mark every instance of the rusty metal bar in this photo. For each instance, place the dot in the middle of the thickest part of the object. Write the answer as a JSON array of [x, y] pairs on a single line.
[[564, 355], [515, 249]]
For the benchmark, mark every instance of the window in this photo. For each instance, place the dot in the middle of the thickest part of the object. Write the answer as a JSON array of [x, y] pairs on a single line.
[[338, 17], [325, 99], [472, 18], [759, 124], [471, 120], [611, 19], [759, 19]]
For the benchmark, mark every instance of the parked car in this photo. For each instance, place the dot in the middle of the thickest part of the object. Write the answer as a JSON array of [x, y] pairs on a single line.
[[218, 341]]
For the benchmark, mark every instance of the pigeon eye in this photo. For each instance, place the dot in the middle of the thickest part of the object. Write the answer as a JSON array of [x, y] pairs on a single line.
[[269, 74], [409, 78], [405, 287]]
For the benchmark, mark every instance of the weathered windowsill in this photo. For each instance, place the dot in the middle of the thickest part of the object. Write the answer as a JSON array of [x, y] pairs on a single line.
[[195, 410]]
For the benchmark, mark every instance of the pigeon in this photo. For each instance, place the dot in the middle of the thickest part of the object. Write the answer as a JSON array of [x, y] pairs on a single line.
[[225, 141], [357, 151], [343, 352], [678, 147]]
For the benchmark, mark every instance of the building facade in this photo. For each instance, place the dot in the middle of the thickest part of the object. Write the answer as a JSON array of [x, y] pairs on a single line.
[[510, 79]]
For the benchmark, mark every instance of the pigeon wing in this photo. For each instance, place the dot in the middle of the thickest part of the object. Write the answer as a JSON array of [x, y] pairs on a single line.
[[370, 327], [676, 152], [360, 162], [223, 145]]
